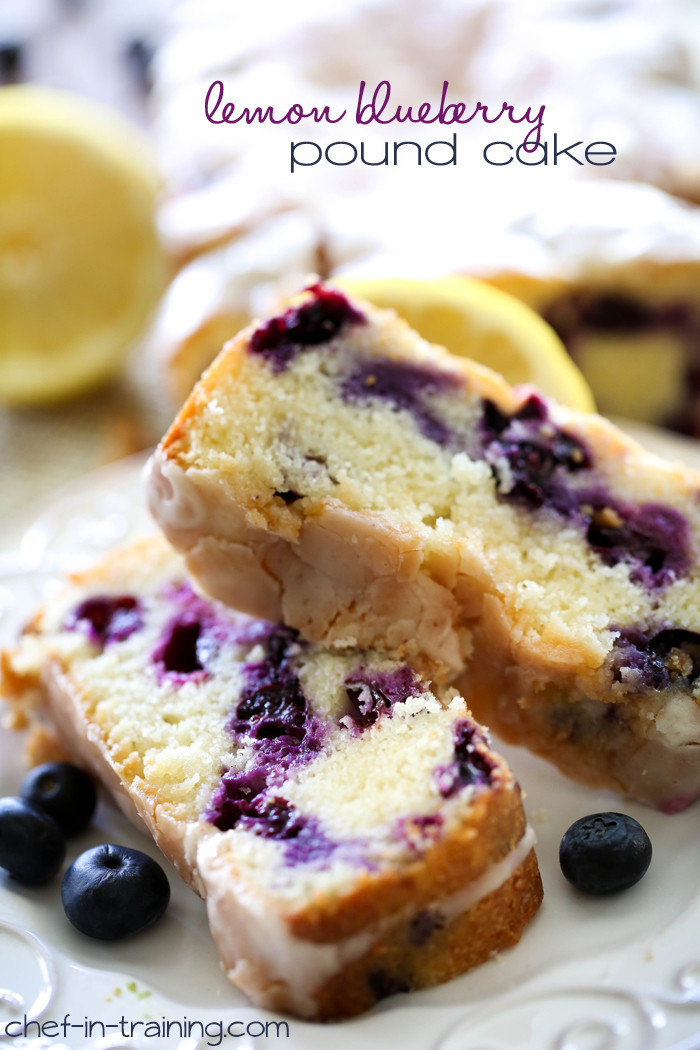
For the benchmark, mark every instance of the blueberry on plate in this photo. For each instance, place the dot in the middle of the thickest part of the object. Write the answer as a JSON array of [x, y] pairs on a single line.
[[113, 891], [65, 792], [32, 846], [604, 853]]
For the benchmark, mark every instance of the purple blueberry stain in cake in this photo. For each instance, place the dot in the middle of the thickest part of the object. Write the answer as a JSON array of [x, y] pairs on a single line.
[[279, 734], [272, 703], [179, 651], [186, 645], [615, 313], [653, 659], [382, 984], [195, 633], [106, 619], [634, 663], [371, 694], [472, 764], [249, 802], [234, 797], [531, 457], [424, 924], [237, 796], [406, 386], [574, 314], [273, 818], [310, 844], [272, 709], [314, 322], [419, 832], [272, 714], [652, 538], [538, 465]]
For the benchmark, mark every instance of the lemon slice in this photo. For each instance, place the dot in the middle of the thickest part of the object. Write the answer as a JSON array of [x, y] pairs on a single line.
[[80, 263], [474, 320]]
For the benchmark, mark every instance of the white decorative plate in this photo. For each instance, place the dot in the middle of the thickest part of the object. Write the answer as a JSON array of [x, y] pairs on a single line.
[[619, 973]]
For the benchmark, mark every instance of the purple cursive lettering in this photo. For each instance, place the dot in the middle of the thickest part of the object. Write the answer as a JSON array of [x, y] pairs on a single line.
[[373, 112], [292, 115], [376, 109]]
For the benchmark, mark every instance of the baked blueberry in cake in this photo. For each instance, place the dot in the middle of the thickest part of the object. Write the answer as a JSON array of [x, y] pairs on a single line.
[[352, 831], [334, 471]]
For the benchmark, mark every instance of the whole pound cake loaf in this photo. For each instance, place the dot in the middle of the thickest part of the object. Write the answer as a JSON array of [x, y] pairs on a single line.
[[353, 835], [614, 267], [334, 471]]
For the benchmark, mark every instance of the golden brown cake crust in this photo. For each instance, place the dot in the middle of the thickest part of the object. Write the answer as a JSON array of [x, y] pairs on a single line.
[[492, 925]]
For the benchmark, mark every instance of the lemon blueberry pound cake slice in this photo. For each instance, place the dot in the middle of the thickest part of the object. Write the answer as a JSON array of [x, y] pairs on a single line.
[[334, 471], [353, 834]]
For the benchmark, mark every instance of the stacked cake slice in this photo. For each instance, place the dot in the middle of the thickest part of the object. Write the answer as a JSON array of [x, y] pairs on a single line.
[[335, 471]]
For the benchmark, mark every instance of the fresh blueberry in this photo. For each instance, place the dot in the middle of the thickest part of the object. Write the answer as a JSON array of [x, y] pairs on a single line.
[[113, 891], [63, 791], [604, 853], [32, 847]]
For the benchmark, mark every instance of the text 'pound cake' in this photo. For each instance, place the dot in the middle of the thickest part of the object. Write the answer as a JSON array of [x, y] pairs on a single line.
[[353, 834], [334, 471]]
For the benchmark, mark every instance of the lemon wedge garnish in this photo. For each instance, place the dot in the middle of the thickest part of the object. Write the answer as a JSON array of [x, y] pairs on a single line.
[[80, 262], [474, 320]]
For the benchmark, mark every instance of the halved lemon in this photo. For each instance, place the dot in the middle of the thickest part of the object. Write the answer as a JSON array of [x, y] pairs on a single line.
[[474, 320], [80, 262]]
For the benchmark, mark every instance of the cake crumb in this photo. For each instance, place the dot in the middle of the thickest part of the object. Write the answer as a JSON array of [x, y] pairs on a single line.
[[679, 662]]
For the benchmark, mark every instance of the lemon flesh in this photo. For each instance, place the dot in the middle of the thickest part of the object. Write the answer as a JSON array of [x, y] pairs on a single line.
[[80, 262], [473, 320]]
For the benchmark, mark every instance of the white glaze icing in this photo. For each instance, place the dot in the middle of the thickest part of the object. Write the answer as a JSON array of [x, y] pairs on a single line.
[[584, 228], [172, 498]]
